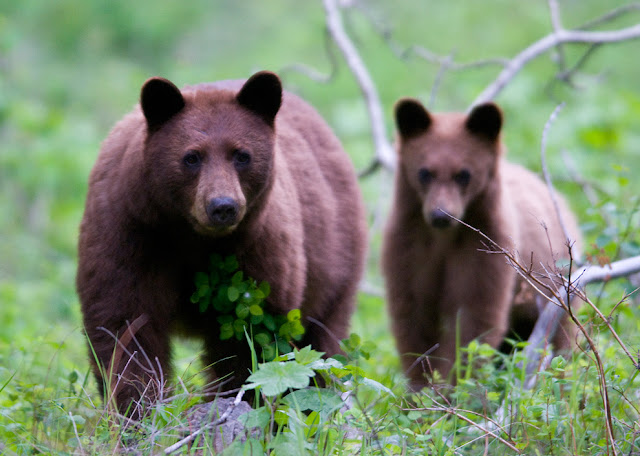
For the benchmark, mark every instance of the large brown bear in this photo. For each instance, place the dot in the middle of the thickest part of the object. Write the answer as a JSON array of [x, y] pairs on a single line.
[[440, 282], [231, 167]]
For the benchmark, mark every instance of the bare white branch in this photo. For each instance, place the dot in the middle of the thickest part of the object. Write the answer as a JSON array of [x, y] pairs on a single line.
[[383, 150], [623, 268], [541, 46]]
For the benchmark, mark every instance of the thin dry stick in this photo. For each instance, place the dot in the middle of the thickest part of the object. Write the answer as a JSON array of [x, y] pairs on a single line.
[[432, 57], [422, 357], [75, 431], [545, 170], [566, 74], [383, 150], [607, 321], [604, 392], [311, 72], [176, 446], [439, 77], [559, 296], [486, 430], [611, 15], [583, 276]]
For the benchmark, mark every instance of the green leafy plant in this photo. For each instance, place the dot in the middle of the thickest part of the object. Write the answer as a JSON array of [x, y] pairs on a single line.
[[307, 419], [239, 302]]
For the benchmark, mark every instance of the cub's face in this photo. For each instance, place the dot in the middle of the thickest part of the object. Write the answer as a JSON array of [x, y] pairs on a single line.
[[448, 160], [209, 153]]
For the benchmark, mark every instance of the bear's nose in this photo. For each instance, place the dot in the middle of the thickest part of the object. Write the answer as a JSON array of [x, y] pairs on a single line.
[[222, 211], [440, 219]]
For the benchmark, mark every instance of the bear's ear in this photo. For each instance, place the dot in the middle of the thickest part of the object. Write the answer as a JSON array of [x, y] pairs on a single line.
[[485, 120], [262, 94], [160, 100], [411, 117]]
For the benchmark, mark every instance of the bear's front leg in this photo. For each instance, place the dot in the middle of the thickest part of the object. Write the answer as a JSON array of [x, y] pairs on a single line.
[[131, 363], [417, 348], [459, 326], [228, 362], [476, 303]]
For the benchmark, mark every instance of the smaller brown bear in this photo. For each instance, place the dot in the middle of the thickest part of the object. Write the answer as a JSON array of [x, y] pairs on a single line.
[[234, 168], [440, 284]]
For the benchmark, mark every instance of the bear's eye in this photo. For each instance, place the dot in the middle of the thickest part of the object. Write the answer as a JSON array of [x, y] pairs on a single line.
[[425, 176], [462, 178], [192, 159], [241, 158]]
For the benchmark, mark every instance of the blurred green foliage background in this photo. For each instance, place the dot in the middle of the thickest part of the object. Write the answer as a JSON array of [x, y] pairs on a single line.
[[70, 69]]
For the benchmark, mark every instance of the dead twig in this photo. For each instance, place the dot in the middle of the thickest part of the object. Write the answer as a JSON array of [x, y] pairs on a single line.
[[444, 67], [559, 296], [311, 72], [545, 170], [432, 57], [610, 16], [458, 413]]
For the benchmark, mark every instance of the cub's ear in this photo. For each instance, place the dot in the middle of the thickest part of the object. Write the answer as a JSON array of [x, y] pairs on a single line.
[[411, 117], [160, 100], [485, 120], [262, 94]]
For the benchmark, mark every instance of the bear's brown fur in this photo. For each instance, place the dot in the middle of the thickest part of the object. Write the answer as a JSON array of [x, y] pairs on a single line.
[[232, 167], [439, 281]]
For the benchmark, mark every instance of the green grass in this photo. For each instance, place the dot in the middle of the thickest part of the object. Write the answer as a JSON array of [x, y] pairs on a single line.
[[70, 69]]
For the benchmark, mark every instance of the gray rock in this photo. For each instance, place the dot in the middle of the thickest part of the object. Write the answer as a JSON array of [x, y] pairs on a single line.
[[226, 432]]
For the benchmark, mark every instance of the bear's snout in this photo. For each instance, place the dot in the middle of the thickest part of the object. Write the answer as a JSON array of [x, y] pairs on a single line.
[[223, 211], [440, 219]]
